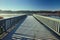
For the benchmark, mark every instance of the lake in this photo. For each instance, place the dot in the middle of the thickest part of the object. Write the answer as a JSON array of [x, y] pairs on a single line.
[[57, 17], [10, 15]]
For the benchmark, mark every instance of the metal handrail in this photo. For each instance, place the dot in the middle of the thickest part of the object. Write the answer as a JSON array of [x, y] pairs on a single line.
[[5, 24], [52, 23]]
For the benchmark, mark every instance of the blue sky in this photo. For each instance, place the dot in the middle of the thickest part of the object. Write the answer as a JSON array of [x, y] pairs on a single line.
[[30, 4]]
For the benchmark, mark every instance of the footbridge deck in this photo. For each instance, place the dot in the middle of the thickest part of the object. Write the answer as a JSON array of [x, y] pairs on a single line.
[[29, 29]]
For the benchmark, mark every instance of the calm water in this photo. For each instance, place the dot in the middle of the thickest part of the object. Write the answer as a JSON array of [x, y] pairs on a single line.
[[57, 17], [15, 14], [10, 15]]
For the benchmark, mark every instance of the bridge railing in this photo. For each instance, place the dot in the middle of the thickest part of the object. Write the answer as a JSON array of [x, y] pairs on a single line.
[[5, 24], [52, 23]]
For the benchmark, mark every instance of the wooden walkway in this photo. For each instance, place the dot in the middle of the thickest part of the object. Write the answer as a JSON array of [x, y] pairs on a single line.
[[31, 28]]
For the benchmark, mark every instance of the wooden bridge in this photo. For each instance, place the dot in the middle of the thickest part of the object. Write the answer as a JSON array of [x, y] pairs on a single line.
[[26, 27]]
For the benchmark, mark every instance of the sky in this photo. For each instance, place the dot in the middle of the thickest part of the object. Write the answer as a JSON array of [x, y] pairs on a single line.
[[29, 4]]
